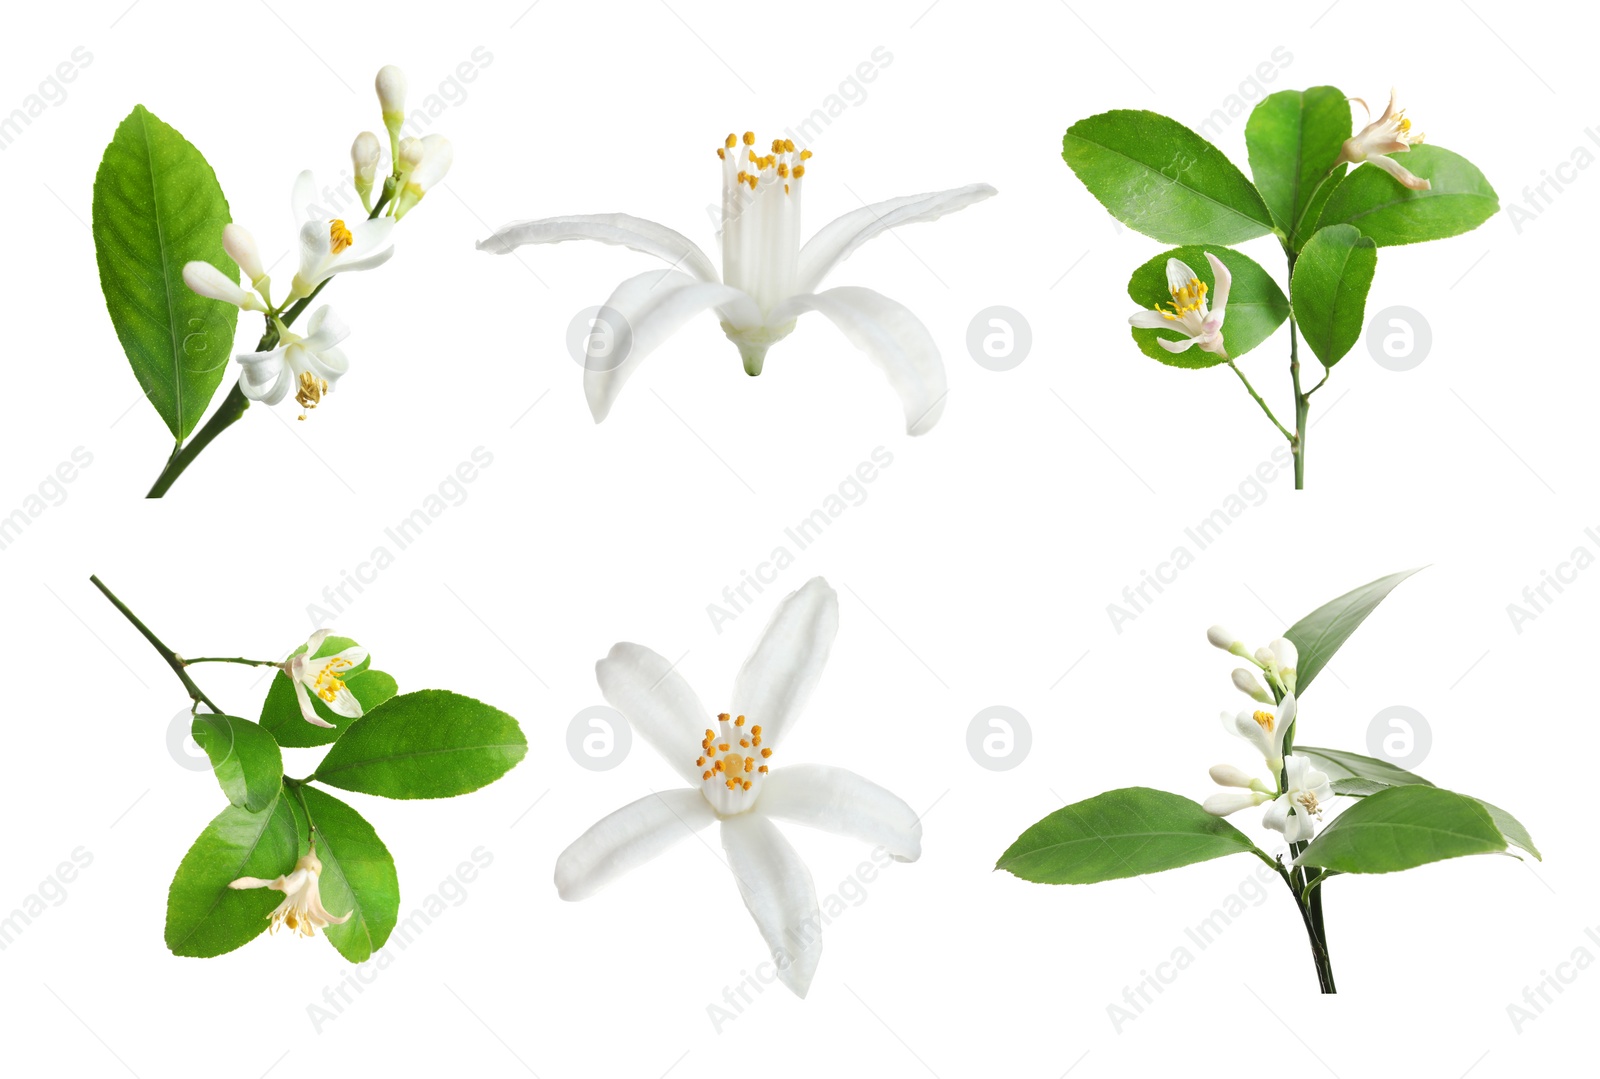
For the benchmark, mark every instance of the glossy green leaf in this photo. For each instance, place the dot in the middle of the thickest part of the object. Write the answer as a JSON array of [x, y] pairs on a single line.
[[1162, 179], [1339, 764], [1384, 209], [1294, 138], [428, 744], [1121, 833], [244, 757], [1356, 787], [1256, 305], [1401, 828], [1321, 633], [204, 916], [280, 712], [1329, 290], [157, 205], [1511, 828], [358, 876]]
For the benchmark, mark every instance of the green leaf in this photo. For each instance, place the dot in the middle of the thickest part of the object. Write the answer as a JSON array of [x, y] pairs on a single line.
[[1121, 833], [1401, 828], [280, 712], [1355, 787], [1256, 305], [1294, 137], [244, 757], [428, 744], [1329, 290], [1162, 179], [1511, 828], [1340, 765], [157, 205], [1384, 209], [1321, 633], [357, 876], [204, 916]]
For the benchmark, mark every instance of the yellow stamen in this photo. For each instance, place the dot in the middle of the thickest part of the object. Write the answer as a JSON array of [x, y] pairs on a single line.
[[1266, 720], [339, 237], [310, 392]]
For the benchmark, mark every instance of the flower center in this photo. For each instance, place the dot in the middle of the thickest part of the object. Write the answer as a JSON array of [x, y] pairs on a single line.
[[1307, 801], [310, 395], [1266, 720], [1187, 300], [761, 216], [339, 237], [328, 683], [732, 760]]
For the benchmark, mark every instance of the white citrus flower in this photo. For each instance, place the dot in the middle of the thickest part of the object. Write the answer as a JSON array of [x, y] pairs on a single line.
[[308, 365], [333, 245], [1296, 811], [301, 910], [768, 278], [1389, 134], [324, 676], [1264, 728], [734, 781], [1189, 314], [1280, 660]]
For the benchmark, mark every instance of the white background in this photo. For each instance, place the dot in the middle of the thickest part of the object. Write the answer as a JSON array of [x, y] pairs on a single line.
[[977, 571]]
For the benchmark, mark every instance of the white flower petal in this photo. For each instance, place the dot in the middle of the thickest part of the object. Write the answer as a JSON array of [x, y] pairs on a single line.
[[1224, 284], [629, 838], [776, 681], [835, 241], [325, 330], [1177, 346], [265, 376], [626, 230], [777, 889], [839, 801], [303, 195], [1179, 274], [1152, 320], [640, 315], [659, 705], [307, 711], [892, 337], [1277, 815]]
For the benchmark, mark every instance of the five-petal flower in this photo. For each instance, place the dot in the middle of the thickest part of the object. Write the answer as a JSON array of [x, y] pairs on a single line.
[[301, 910], [1389, 134], [324, 676], [309, 365], [768, 278], [1296, 811], [1189, 314], [734, 780]]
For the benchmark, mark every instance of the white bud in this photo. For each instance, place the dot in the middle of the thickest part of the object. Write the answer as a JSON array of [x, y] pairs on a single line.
[[1225, 802], [206, 280], [1226, 775], [391, 85], [1221, 638], [241, 248], [410, 153], [428, 160], [1247, 683], [364, 155]]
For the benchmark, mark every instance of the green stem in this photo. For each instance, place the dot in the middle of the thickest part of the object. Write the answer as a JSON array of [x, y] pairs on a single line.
[[234, 405], [1302, 407], [232, 659], [1264, 407], [1319, 949], [172, 658]]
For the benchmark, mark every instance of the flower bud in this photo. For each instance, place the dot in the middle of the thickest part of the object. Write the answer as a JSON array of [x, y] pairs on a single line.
[[391, 84], [433, 156], [364, 155], [1225, 802], [1247, 683], [1221, 638], [241, 248], [1226, 775], [206, 280]]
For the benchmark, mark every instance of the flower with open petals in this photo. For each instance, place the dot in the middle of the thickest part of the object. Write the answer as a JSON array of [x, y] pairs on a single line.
[[1264, 727], [1296, 811], [333, 245], [301, 910], [1189, 314], [308, 365], [324, 676], [768, 278], [734, 780], [1389, 134]]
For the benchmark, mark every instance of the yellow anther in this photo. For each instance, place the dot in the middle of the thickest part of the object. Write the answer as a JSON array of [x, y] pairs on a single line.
[[766, 752], [739, 722], [731, 141], [309, 395], [747, 784], [1266, 720], [339, 237], [749, 138], [799, 171], [762, 769], [722, 154], [788, 146]]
